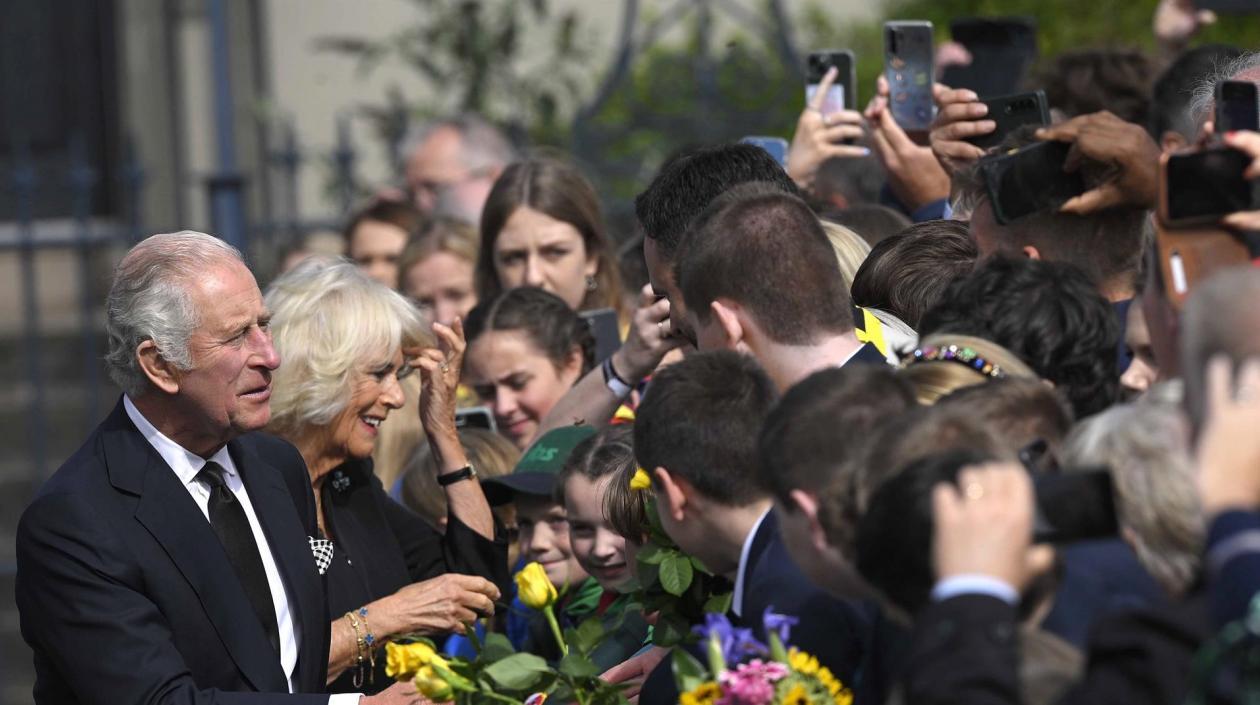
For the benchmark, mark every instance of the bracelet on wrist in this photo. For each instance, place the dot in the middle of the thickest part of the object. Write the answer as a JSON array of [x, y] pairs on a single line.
[[465, 473], [615, 383], [365, 644]]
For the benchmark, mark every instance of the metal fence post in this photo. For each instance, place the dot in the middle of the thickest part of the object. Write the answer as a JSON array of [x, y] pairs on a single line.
[[226, 186], [82, 178], [25, 181], [343, 157]]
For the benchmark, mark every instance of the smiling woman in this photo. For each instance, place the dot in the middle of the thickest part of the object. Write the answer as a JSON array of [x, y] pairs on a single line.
[[346, 340]]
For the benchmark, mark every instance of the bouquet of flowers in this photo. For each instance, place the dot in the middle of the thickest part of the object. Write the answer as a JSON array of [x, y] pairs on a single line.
[[743, 671], [499, 673], [675, 587]]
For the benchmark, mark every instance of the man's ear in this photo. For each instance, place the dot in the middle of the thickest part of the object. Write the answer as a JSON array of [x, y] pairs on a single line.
[[1031, 252], [728, 319], [807, 504], [161, 373], [674, 491]]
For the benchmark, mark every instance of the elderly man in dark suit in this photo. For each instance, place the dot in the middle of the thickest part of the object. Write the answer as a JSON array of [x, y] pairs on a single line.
[[166, 561]]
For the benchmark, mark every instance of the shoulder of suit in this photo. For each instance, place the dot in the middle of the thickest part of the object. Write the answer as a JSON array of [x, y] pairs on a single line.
[[274, 449]]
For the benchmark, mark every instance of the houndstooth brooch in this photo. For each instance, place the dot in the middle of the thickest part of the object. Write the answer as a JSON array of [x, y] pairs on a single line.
[[322, 549]]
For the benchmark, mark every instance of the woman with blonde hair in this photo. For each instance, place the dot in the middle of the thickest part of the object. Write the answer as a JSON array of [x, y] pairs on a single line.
[[346, 340], [437, 270], [945, 362]]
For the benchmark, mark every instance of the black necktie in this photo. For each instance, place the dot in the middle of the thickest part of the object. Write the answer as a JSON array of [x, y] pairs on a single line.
[[229, 522]]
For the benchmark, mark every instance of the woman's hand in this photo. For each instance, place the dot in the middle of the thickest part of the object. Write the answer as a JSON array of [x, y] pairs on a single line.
[[1248, 142], [959, 115], [439, 378], [820, 136], [648, 340], [447, 603]]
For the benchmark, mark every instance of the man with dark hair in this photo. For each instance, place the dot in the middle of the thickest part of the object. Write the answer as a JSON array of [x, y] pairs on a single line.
[[682, 189], [1106, 244], [696, 434], [872, 221], [906, 274], [1047, 313], [1172, 122], [758, 275], [1090, 80]]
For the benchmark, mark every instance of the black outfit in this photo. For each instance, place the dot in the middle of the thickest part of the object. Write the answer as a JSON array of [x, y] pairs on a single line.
[[381, 547], [964, 651], [837, 632], [127, 595]]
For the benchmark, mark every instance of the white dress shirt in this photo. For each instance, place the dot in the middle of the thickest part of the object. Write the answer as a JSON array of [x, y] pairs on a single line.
[[737, 597], [186, 466]]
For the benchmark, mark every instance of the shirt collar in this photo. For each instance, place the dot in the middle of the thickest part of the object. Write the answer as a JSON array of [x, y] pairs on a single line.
[[184, 462], [737, 598]]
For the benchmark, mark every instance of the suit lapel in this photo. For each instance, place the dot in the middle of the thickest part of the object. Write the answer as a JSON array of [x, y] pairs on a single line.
[[171, 516], [291, 549]]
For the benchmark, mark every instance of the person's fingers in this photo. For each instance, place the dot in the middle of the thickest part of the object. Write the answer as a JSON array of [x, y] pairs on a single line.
[[843, 117], [845, 151], [1039, 560], [474, 583], [1247, 383], [897, 137], [882, 146], [881, 86], [1249, 142], [1219, 385], [842, 132], [658, 311], [1244, 221], [946, 503], [1092, 201], [447, 337], [961, 103], [824, 85], [960, 151], [1205, 17], [962, 130], [1063, 132], [647, 297]]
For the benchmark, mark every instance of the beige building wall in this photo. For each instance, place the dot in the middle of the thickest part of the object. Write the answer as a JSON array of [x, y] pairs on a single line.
[[312, 87]]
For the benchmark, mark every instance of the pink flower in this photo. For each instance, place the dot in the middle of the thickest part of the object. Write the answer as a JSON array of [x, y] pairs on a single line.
[[750, 683]]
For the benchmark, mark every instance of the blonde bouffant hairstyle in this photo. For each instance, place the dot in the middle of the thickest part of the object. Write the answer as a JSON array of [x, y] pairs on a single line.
[[330, 321], [933, 379]]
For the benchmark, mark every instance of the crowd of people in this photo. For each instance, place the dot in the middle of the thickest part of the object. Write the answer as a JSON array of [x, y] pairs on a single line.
[[846, 388]]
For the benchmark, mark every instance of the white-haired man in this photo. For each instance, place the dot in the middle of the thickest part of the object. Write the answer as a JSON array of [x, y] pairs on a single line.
[[451, 165], [165, 561]]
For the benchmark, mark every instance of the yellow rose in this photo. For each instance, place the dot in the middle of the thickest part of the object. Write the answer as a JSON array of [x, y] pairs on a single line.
[[431, 685], [403, 660], [641, 480], [534, 588]]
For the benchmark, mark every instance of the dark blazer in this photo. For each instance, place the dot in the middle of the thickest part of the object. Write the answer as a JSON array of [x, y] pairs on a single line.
[[964, 652], [838, 632], [381, 547], [126, 594]]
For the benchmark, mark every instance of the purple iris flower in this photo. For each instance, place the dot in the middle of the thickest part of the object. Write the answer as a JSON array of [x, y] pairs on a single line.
[[737, 643], [780, 624]]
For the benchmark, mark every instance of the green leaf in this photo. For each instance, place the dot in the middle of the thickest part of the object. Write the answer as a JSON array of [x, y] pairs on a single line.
[[577, 666], [670, 630], [652, 554], [496, 648], [518, 671], [719, 603], [676, 574], [588, 634], [689, 673]]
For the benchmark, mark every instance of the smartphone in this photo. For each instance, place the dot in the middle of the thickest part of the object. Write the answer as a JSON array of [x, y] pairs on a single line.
[[1003, 50], [908, 66], [1200, 187], [606, 330], [1011, 112], [1237, 107], [1187, 256], [476, 417], [1028, 180], [1230, 7], [843, 92], [1076, 505], [776, 146]]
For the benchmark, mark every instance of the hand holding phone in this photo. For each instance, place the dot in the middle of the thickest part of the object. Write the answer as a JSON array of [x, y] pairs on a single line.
[[960, 118], [1009, 113], [1031, 179], [841, 92], [1237, 107], [1125, 147], [1204, 186], [821, 136], [1249, 144]]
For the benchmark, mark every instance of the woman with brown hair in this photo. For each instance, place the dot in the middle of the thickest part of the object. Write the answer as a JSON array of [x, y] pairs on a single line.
[[436, 270], [542, 226]]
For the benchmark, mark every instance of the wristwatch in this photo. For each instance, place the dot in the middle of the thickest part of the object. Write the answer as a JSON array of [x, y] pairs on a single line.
[[450, 478]]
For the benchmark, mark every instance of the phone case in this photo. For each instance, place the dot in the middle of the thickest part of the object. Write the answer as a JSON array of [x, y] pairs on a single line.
[[1011, 112], [1029, 180], [843, 93], [1206, 192], [908, 62]]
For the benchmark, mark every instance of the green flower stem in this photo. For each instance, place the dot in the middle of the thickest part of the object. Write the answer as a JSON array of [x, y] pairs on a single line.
[[495, 696], [555, 630]]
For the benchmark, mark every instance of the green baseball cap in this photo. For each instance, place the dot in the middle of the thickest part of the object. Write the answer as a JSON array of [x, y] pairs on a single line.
[[536, 472]]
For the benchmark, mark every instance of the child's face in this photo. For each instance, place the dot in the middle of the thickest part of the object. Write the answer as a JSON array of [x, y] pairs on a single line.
[[599, 550], [544, 537]]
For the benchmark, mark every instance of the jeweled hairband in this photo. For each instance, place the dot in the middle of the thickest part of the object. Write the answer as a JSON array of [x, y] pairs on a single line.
[[953, 353]]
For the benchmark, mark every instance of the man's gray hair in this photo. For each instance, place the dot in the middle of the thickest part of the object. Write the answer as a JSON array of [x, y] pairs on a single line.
[[1146, 447], [483, 146], [150, 300], [1203, 100]]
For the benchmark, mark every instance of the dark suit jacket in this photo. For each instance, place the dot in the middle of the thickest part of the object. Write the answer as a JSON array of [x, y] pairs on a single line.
[[127, 596], [964, 652], [836, 631]]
